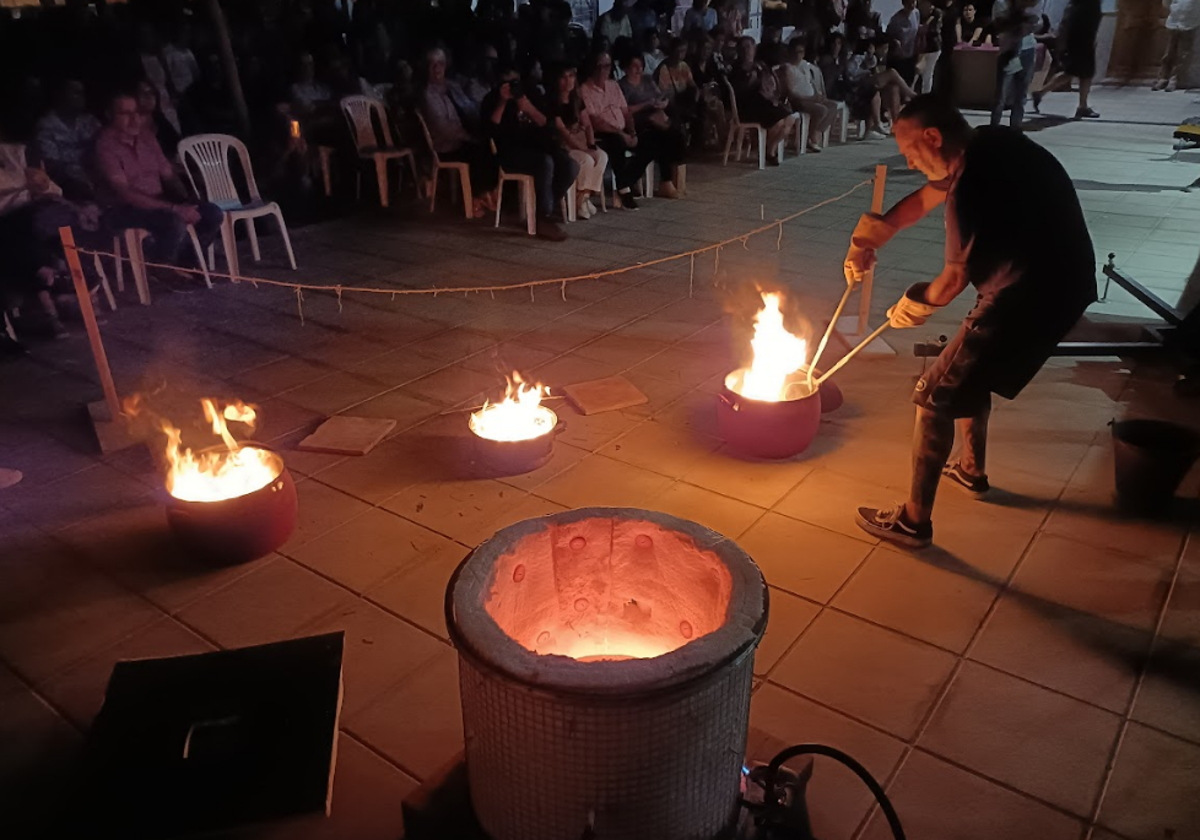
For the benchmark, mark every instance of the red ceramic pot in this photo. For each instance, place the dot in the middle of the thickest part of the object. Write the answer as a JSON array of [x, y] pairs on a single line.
[[767, 429], [240, 529]]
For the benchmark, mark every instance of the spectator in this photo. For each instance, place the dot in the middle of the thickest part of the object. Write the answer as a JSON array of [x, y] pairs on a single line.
[[524, 144], [141, 190], [1013, 22], [153, 69], [862, 21], [652, 54], [731, 17], [343, 81], [643, 17], [306, 93], [1076, 53], [759, 98], [183, 70], [614, 129], [862, 95], [64, 138], [770, 49], [656, 133], [968, 30], [804, 88], [574, 126], [674, 78], [929, 46], [1183, 19], [443, 104], [700, 17], [894, 91], [710, 77], [902, 33], [614, 23], [153, 120], [832, 63]]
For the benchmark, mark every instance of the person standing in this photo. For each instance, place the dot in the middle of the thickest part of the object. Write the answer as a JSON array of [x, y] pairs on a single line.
[[1027, 252], [700, 17], [1013, 24], [614, 23], [929, 45], [902, 33], [1183, 19], [1076, 54]]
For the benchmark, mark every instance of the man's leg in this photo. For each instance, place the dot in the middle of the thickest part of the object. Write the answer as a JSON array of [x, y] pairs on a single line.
[[973, 431], [933, 438], [209, 225], [167, 233], [1020, 89], [566, 171]]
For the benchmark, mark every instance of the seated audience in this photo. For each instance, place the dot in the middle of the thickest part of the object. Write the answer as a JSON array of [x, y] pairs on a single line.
[[154, 122], [657, 133], [64, 139], [759, 98], [614, 23], [524, 144], [862, 96], [804, 88], [574, 126], [443, 103], [308, 95], [674, 78], [832, 63], [139, 187], [700, 17], [614, 128], [710, 76], [652, 53]]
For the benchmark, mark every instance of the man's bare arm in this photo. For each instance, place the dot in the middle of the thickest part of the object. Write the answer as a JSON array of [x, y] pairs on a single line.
[[913, 207]]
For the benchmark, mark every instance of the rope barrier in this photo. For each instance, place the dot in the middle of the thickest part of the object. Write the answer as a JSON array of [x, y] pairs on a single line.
[[339, 289]]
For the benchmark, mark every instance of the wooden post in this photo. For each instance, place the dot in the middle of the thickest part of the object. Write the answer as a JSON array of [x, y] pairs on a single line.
[[868, 282], [229, 62], [89, 321]]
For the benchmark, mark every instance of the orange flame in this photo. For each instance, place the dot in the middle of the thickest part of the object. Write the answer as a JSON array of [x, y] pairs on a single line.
[[519, 416], [777, 354]]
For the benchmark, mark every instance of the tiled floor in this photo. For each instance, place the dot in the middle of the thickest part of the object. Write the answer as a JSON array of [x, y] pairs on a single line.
[[1033, 675]]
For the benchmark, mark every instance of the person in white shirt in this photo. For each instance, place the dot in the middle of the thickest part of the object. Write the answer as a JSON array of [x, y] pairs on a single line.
[[804, 87], [700, 16], [1183, 19], [614, 23], [902, 33]]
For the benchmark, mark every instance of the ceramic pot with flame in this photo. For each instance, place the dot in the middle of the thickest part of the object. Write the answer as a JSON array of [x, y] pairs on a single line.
[[513, 457], [763, 429], [242, 528]]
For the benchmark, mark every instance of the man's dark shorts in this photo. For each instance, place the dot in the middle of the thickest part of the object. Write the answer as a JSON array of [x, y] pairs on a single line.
[[1000, 347]]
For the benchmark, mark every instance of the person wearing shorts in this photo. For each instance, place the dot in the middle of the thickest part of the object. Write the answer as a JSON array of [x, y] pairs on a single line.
[[1015, 231]]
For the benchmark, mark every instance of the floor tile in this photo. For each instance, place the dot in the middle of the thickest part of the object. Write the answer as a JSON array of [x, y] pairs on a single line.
[[601, 481], [801, 558], [720, 513], [918, 597], [99, 489], [371, 548], [1152, 792], [938, 801], [455, 509], [418, 724], [451, 386], [271, 603], [321, 509], [836, 798], [660, 448], [38, 763], [788, 617], [405, 409], [1044, 744], [335, 393], [758, 482], [829, 500], [1168, 696]]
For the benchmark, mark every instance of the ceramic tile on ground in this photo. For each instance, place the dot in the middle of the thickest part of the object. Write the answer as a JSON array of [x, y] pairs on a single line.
[[1152, 792], [720, 513], [455, 509], [1042, 743], [600, 481], [873, 674], [661, 448], [801, 558], [321, 509], [758, 482], [829, 500], [789, 617], [1167, 698], [38, 764]]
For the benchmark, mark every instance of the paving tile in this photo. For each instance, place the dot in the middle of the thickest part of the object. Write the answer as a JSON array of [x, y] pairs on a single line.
[[418, 724], [801, 558], [788, 617], [455, 509], [321, 509], [271, 603], [451, 386], [99, 489], [405, 409], [829, 500], [865, 671], [919, 597], [836, 798], [562, 458], [696, 411], [758, 482], [677, 364], [720, 513], [334, 393], [276, 377], [381, 651], [38, 763], [418, 593], [371, 548], [1152, 792], [397, 367], [661, 448], [1167, 697], [417, 455], [1044, 744], [79, 691], [593, 431], [603, 482], [938, 801]]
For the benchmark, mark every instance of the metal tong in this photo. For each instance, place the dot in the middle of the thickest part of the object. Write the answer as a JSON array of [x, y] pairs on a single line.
[[816, 383]]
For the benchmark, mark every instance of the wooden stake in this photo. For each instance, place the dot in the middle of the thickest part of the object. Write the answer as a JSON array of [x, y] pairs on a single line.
[[868, 282], [89, 321]]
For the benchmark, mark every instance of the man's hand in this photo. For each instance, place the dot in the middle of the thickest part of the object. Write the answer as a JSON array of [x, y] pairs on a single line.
[[506, 91], [911, 310], [37, 181], [189, 214], [871, 233]]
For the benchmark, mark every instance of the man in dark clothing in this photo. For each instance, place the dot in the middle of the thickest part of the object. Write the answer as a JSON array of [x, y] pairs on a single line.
[[1014, 231], [525, 144]]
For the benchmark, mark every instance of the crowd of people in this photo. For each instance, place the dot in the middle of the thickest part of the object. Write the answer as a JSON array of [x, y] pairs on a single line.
[[98, 98]]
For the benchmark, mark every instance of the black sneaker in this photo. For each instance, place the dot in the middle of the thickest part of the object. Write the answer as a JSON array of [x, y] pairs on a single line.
[[548, 228], [628, 201], [975, 486], [889, 524], [1086, 114]]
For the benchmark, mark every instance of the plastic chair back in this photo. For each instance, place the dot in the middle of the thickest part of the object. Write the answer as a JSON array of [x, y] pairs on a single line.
[[428, 137], [733, 108], [361, 113], [209, 155]]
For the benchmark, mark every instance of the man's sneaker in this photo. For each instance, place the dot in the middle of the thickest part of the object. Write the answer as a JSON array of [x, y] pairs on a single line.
[[627, 200], [889, 524], [548, 228], [974, 485], [1086, 114]]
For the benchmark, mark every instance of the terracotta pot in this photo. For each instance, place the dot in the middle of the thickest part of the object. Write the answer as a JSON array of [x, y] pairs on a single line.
[[240, 529], [513, 457], [767, 429]]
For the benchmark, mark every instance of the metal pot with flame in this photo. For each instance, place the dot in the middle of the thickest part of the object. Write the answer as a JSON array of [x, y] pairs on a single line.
[[515, 435], [771, 409], [230, 503]]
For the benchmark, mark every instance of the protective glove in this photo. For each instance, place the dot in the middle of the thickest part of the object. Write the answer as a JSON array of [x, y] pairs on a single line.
[[911, 310], [871, 233]]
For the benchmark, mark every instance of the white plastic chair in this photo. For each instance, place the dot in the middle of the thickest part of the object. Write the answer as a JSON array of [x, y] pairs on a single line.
[[361, 112], [803, 123], [528, 205], [209, 153], [740, 131], [132, 238], [462, 168]]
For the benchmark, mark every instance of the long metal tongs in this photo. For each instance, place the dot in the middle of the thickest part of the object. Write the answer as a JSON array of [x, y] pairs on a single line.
[[815, 383]]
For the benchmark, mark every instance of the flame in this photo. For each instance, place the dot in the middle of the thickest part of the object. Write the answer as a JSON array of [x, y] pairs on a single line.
[[777, 354], [519, 416], [214, 475]]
